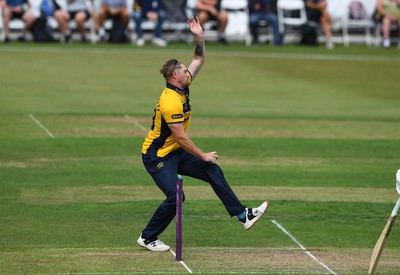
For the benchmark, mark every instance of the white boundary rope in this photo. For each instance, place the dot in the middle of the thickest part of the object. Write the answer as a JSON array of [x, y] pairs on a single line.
[[302, 247]]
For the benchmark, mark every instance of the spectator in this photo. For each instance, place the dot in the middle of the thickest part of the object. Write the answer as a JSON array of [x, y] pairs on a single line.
[[260, 10], [16, 9], [152, 10], [75, 10], [114, 9], [211, 10], [317, 12], [389, 10]]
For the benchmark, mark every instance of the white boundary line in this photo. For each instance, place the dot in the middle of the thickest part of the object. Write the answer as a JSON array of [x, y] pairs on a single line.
[[136, 123], [302, 247], [182, 262], [50, 134]]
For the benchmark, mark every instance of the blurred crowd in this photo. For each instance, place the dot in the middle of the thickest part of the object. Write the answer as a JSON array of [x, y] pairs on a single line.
[[90, 17]]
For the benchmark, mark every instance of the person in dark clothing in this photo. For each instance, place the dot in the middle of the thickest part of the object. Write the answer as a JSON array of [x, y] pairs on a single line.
[[263, 10]]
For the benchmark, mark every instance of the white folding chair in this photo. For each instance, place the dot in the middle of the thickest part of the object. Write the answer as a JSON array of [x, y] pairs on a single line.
[[291, 12], [175, 27], [238, 20], [364, 21]]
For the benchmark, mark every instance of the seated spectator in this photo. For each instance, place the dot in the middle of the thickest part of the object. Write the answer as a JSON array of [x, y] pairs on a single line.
[[317, 12], [152, 10], [16, 9], [114, 9], [260, 10], [75, 10], [211, 10], [389, 10]]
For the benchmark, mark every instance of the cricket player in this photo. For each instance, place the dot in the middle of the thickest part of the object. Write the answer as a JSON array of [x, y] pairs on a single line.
[[168, 150]]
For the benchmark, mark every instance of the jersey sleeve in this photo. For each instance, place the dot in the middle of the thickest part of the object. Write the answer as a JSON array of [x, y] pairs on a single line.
[[172, 109]]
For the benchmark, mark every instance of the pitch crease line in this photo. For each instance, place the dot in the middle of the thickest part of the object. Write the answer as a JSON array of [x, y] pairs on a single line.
[[136, 123], [302, 247], [38, 123], [182, 262]]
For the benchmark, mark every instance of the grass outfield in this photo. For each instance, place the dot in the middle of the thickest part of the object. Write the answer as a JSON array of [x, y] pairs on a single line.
[[315, 132]]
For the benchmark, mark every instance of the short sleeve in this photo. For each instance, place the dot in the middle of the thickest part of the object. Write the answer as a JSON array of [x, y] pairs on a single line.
[[171, 109]]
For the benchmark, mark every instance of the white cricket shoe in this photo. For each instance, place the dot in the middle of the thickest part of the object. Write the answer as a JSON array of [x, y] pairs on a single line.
[[140, 42], [386, 43], [254, 214], [159, 42], [330, 45], [156, 245]]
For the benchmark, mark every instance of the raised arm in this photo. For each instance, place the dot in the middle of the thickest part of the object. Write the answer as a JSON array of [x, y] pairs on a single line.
[[199, 48]]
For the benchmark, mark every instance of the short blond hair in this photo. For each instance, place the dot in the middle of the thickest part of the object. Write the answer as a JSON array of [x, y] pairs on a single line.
[[169, 67]]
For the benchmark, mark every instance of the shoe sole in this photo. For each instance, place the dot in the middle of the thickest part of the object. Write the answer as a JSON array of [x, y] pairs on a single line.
[[259, 217]]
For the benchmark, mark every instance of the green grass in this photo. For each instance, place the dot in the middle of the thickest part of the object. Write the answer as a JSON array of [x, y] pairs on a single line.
[[285, 122]]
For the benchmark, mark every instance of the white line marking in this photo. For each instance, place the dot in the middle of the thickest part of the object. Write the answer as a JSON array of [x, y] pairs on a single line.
[[302, 247], [41, 126], [182, 262], [136, 123]]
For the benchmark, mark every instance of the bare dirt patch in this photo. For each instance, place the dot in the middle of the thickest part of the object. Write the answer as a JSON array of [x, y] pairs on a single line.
[[264, 127], [16, 164], [106, 194], [86, 261], [201, 260], [227, 127], [287, 260], [272, 161]]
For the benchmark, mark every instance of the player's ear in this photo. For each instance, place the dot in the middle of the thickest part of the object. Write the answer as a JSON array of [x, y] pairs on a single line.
[[175, 74]]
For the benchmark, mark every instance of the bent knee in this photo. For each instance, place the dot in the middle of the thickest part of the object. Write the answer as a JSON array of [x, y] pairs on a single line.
[[172, 199]]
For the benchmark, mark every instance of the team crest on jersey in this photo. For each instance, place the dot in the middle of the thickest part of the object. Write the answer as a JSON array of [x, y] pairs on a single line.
[[176, 116], [160, 165]]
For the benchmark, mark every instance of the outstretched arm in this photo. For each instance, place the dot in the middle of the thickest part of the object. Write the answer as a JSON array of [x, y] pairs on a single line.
[[199, 48], [186, 143]]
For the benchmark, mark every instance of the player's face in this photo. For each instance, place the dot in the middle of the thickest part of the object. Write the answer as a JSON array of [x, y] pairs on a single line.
[[183, 77]]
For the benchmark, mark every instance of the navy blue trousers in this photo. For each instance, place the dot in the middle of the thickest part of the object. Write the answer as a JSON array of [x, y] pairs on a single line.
[[164, 172]]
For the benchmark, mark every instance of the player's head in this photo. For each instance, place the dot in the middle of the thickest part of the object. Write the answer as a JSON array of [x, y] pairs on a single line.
[[176, 73], [169, 67]]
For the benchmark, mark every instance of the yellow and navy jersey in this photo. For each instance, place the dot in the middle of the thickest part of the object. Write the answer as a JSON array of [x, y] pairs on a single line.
[[172, 107]]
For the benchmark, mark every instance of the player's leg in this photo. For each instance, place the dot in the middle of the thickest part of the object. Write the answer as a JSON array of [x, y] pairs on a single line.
[[7, 14], [163, 172], [62, 17], [80, 19], [194, 167]]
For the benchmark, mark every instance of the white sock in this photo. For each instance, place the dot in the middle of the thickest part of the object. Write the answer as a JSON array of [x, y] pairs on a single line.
[[102, 32]]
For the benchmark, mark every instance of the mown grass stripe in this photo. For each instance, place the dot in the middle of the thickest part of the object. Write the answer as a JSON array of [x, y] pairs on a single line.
[[233, 53]]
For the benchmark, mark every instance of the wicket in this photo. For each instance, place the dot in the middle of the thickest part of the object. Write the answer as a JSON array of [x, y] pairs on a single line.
[[179, 200]]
